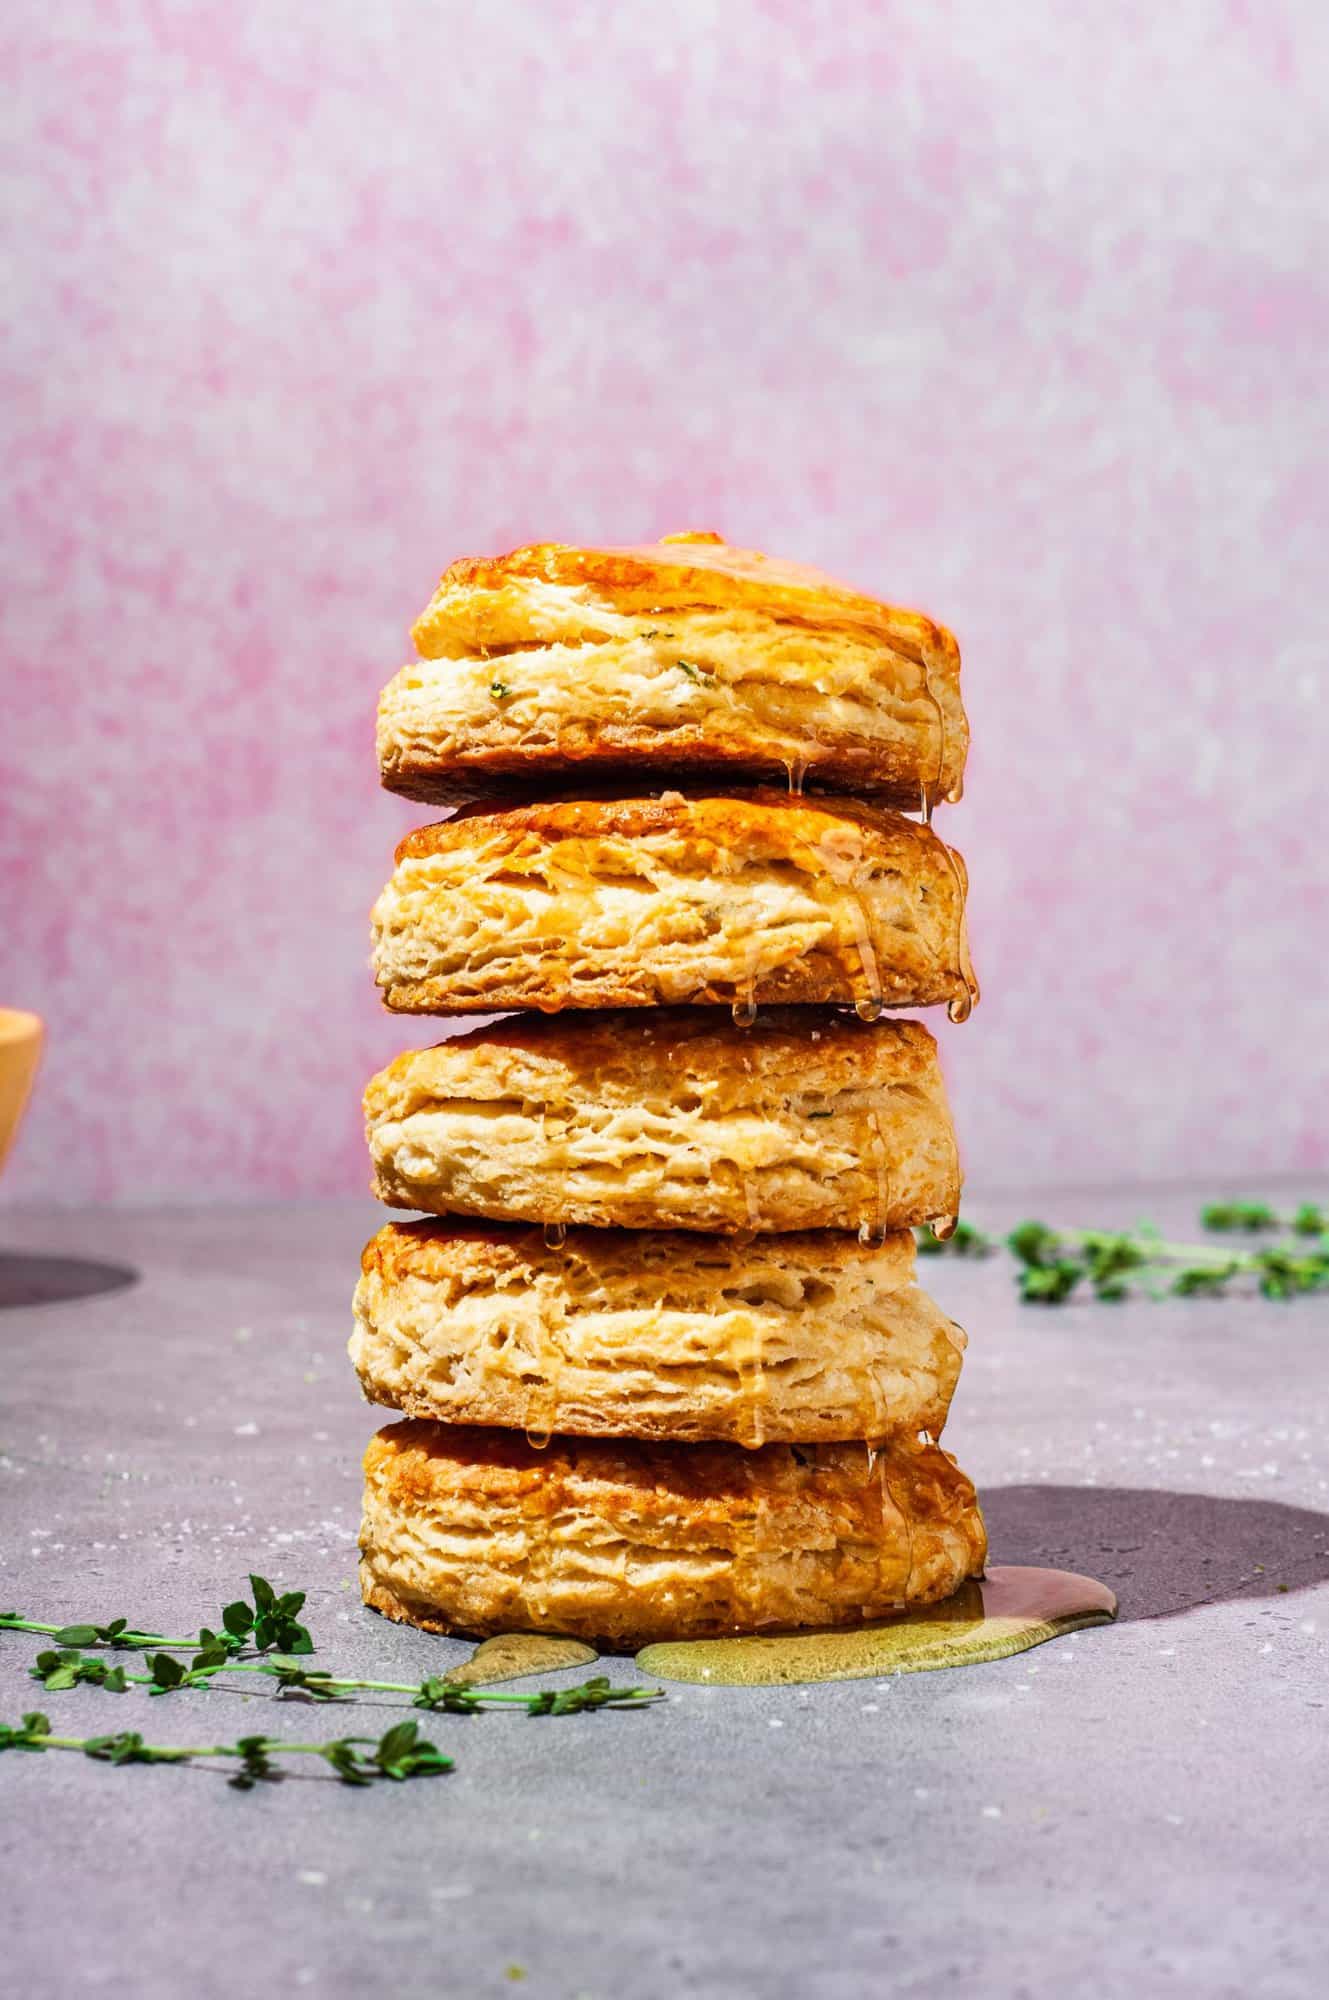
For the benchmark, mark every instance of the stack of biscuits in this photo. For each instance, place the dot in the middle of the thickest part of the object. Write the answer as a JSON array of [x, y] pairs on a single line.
[[664, 1367]]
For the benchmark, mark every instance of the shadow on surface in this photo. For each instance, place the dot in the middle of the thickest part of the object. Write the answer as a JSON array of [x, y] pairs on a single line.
[[1161, 1552], [30, 1280]]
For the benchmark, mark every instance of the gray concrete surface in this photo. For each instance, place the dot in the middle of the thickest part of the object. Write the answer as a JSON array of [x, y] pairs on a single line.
[[1133, 1810]]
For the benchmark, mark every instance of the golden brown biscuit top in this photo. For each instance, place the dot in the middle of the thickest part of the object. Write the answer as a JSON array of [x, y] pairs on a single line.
[[427, 1464], [804, 1037], [479, 596], [670, 1050], [774, 821], [454, 1247]]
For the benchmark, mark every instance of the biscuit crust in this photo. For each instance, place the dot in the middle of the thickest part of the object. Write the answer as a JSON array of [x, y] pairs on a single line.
[[671, 1118], [622, 1543], [801, 1338], [751, 898], [684, 654]]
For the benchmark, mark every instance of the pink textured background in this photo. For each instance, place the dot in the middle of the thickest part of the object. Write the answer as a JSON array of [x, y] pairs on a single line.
[[1013, 311]]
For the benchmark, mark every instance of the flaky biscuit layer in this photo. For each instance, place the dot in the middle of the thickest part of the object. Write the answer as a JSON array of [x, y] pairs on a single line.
[[671, 1118], [473, 1531], [802, 1338], [681, 655], [746, 899]]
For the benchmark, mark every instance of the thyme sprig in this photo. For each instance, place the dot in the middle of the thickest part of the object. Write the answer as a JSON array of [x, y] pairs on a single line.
[[398, 1754], [456, 1698], [67, 1668], [1054, 1262], [268, 1625], [1308, 1219], [266, 1638]]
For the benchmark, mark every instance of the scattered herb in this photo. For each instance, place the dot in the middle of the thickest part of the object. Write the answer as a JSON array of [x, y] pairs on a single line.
[[1308, 1220], [265, 1638], [1230, 1215], [1054, 1263], [455, 1698], [68, 1668], [267, 1625], [500, 690], [687, 667], [399, 1753]]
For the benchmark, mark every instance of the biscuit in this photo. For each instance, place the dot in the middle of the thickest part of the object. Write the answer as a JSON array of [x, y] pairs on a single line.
[[671, 1118], [473, 1531], [754, 898], [652, 1334], [684, 655]]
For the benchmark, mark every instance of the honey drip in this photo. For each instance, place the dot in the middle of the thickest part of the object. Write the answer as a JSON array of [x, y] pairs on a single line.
[[868, 1006], [962, 1005], [796, 771], [881, 1160], [749, 1540], [824, 859], [754, 1390], [547, 1361], [512, 1655], [1007, 1611], [943, 1226], [925, 662], [744, 1007]]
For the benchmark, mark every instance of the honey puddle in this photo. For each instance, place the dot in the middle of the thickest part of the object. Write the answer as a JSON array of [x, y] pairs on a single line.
[[1006, 1611], [515, 1654]]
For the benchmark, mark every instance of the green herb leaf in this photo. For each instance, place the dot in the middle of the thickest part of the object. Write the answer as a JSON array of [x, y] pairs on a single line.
[[1034, 1243], [1049, 1284], [1203, 1281], [1230, 1215]]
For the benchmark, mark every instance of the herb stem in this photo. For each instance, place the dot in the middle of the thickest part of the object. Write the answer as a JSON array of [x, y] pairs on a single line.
[[1159, 1252], [134, 1642]]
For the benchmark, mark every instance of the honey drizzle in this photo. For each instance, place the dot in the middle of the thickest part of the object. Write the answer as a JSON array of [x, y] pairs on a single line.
[[753, 1379], [871, 1004], [744, 1005], [883, 1175], [925, 662], [542, 1398], [961, 1005]]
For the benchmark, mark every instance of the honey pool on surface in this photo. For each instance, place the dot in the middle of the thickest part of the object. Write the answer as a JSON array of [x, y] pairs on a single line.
[[513, 1655], [1004, 1612]]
